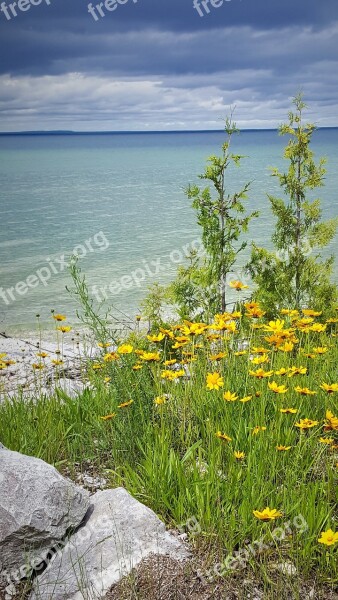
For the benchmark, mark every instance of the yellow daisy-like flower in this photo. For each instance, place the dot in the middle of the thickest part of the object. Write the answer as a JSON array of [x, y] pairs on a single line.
[[304, 391], [240, 353], [96, 366], [170, 362], [287, 347], [59, 317], [239, 455], [308, 312], [320, 350], [64, 328], [331, 422], [260, 373], [297, 371], [172, 375], [329, 388], [124, 404], [328, 537], [42, 354], [281, 448], [214, 381], [150, 356], [277, 389], [230, 397], [57, 362], [306, 424], [275, 326], [327, 441], [160, 400], [257, 429], [260, 350], [238, 285], [289, 411], [137, 367], [156, 338], [318, 327], [218, 356], [281, 372], [125, 349], [268, 514], [38, 366], [111, 356], [104, 344], [223, 436], [259, 360], [108, 417], [107, 380], [245, 399]]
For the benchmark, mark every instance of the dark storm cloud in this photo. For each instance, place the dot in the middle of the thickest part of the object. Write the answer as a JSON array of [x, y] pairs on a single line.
[[157, 64]]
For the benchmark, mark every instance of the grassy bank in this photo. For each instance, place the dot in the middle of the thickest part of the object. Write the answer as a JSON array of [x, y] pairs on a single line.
[[210, 424]]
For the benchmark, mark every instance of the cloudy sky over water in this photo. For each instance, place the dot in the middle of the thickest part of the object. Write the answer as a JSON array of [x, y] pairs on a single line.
[[165, 64]]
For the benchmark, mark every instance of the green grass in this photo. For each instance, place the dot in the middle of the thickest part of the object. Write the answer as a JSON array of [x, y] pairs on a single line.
[[170, 458]]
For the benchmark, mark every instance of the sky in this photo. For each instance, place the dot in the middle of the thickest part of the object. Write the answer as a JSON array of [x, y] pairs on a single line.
[[165, 64]]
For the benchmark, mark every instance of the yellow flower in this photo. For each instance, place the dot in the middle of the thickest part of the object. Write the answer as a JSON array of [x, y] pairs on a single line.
[[281, 371], [150, 356], [308, 312], [260, 373], [289, 411], [59, 317], [268, 514], [214, 381], [110, 356], [57, 362], [194, 328], [125, 349], [277, 389], [238, 285], [306, 424], [108, 417], [283, 448], [331, 320], [42, 354], [38, 366], [170, 362], [260, 350], [290, 312], [255, 313], [331, 422], [107, 379], [124, 404], [239, 455], [230, 397], [328, 538], [137, 367], [320, 350], [97, 366], [160, 400], [64, 328], [297, 371], [329, 388], [240, 353], [275, 326], [172, 375], [223, 436], [104, 345], [259, 360], [318, 327], [304, 391], [156, 338], [327, 441], [245, 399], [257, 429], [288, 347], [218, 356]]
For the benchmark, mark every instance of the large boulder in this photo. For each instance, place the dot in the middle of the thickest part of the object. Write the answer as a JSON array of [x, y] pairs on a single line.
[[117, 535], [38, 507]]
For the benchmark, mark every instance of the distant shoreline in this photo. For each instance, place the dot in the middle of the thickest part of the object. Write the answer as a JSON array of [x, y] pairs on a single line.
[[176, 131]]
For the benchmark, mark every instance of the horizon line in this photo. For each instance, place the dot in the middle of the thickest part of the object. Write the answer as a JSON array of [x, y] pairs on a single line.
[[140, 132]]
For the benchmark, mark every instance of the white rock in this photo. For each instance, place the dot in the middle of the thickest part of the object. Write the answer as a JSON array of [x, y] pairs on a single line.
[[116, 537], [37, 508]]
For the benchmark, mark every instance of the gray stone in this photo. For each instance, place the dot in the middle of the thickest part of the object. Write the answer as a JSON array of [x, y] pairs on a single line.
[[117, 536], [37, 508]]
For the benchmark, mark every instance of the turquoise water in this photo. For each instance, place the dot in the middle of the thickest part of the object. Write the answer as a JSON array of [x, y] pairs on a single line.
[[120, 200]]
